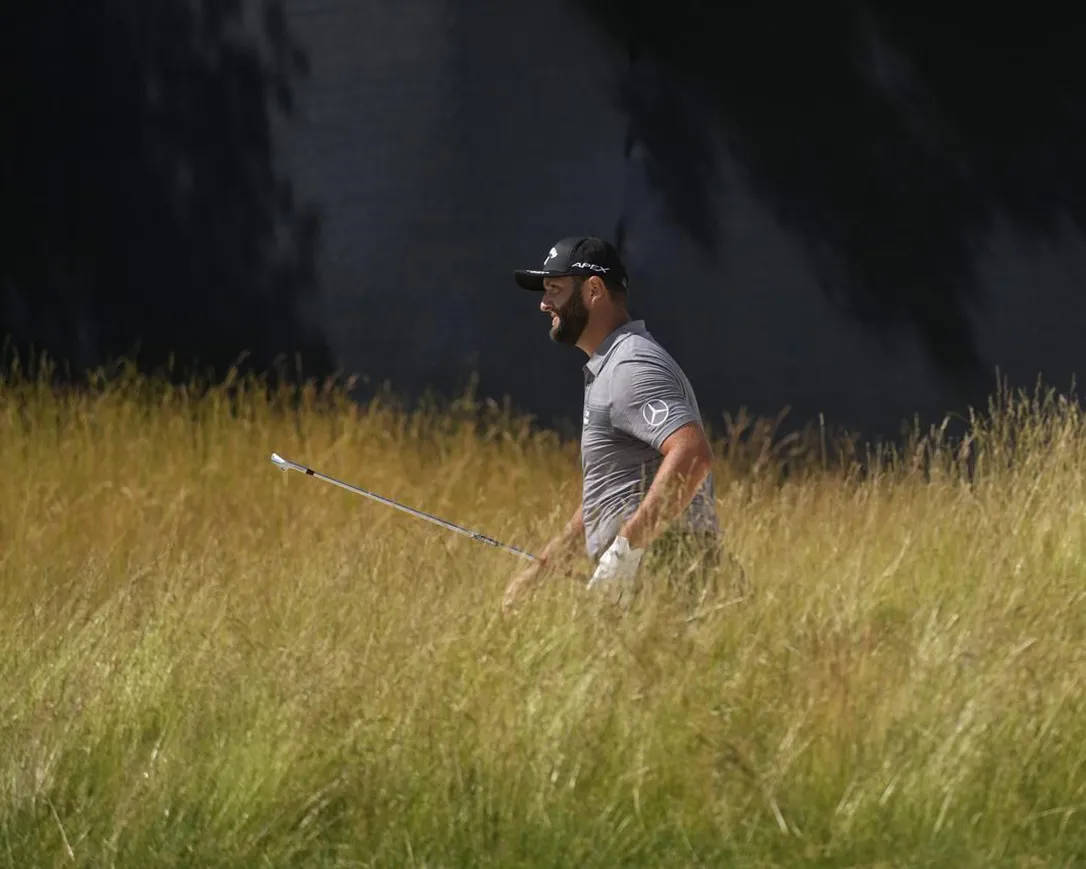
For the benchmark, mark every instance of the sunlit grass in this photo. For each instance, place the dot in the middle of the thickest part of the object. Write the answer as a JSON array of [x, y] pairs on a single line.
[[204, 661]]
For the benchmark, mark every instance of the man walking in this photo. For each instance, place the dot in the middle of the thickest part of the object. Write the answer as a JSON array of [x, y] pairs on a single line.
[[645, 459]]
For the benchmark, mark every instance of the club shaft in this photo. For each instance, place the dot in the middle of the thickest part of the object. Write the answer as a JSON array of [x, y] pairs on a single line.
[[436, 520]]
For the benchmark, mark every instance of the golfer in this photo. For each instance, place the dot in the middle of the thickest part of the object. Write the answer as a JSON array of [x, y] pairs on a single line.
[[645, 459]]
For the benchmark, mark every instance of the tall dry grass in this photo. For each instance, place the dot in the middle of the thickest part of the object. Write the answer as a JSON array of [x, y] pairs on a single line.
[[205, 662]]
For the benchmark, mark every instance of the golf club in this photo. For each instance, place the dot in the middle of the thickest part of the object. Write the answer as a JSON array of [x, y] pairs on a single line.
[[284, 464]]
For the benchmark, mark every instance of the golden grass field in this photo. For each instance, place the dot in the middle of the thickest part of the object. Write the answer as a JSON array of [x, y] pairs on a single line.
[[206, 662]]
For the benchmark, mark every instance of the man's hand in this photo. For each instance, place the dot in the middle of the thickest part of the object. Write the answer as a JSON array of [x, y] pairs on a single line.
[[616, 573], [521, 584], [554, 556]]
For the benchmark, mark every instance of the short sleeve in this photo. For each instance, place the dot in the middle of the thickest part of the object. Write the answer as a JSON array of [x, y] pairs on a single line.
[[648, 400]]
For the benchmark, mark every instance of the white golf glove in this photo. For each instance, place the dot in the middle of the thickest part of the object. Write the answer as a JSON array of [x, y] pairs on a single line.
[[616, 572]]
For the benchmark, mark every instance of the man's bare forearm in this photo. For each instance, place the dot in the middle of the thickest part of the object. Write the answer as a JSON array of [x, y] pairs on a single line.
[[677, 480], [561, 547]]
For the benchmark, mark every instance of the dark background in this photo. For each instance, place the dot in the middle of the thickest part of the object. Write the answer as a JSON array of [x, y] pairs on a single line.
[[844, 209]]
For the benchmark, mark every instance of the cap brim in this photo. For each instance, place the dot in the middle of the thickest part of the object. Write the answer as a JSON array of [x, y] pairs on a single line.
[[532, 279]]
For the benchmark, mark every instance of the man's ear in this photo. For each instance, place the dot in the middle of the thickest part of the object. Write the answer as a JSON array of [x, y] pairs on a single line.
[[596, 288]]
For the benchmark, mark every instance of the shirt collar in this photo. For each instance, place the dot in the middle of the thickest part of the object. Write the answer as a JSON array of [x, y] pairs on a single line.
[[598, 359]]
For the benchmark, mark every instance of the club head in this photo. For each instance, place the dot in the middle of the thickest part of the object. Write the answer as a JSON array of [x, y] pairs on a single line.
[[279, 461]]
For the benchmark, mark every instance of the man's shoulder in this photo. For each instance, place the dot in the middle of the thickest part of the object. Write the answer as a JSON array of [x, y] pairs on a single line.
[[642, 347]]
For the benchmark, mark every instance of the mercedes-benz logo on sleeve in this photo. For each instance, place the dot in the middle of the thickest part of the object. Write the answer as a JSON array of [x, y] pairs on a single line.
[[655, 412]]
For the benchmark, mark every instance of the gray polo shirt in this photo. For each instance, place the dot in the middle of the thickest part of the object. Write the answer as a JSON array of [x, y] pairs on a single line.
[[635, 396]]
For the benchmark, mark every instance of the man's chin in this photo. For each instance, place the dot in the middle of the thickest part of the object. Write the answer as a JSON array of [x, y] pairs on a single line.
[[561, 333], [558, 336]]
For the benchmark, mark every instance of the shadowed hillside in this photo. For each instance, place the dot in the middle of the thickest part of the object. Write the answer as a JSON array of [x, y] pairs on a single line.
[[889, 141], [145, 212]]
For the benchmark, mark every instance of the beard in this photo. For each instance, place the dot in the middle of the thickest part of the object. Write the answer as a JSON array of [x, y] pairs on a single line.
[[572, 318]]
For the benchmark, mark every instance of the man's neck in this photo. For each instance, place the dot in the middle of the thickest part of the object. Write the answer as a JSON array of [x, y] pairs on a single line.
[[595, 333]]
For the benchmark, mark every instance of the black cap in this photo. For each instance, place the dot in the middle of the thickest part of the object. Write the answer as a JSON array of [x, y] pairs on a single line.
[[578, 255]]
